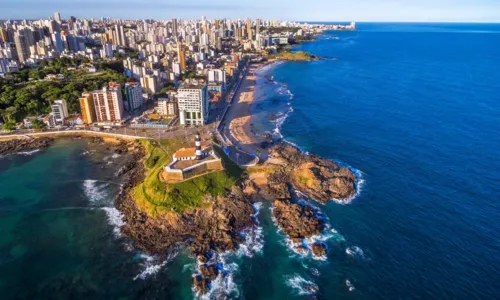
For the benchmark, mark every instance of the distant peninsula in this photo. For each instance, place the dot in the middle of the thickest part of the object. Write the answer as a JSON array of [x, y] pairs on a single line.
[[294, 56]]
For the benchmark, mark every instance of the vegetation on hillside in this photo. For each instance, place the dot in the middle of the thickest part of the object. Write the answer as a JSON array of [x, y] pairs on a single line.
[[296, 56], [25, 93], [155, 196]]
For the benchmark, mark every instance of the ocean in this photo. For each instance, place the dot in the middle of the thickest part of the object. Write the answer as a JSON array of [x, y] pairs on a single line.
[[414, 109]]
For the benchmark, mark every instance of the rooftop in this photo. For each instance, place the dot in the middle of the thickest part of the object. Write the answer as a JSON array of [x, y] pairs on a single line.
[[185, 152]]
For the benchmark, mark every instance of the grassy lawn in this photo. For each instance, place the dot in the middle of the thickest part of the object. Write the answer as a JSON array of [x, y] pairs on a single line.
[[155, 196]]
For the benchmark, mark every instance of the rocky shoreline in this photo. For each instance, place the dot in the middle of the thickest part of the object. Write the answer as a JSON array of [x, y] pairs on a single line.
[[210, 231], [320, 179], [205, 231], [299, 221], [26, 144]]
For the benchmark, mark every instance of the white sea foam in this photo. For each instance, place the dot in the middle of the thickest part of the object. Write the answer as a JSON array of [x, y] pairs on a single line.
[[223, 286], [254, 237], [254, 242], [188, 267], [94, 191], [28, 153], [349, 284], [356, 252], [151, 265], [301, 285], [115, 155], [115, 218], [303, 248], [315, 272]]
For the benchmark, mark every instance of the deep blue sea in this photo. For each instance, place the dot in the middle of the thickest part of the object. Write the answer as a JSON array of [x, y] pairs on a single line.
[[415, 108]]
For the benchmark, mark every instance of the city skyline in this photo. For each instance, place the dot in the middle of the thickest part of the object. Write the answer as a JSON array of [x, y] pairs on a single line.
[[363, 11]]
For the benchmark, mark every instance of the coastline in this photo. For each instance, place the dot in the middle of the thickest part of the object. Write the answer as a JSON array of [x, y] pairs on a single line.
[[240, 115]]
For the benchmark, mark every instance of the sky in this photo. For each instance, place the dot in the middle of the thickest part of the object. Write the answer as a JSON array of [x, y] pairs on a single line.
[[293, 10]]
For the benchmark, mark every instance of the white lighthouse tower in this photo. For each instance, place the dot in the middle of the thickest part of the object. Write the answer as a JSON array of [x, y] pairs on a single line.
[[197, 141]]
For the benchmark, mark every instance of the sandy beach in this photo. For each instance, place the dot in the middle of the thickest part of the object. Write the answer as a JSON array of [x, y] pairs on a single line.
[[239, 116]]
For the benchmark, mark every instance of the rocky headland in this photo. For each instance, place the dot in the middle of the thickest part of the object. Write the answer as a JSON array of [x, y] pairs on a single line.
[[214, 229], [24, 144], [289, 171], [217, 227], [320, 179]]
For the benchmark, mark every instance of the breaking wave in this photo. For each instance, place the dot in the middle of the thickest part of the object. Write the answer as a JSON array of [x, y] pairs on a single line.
[[254, 237], [359, 184], [115, 218], [301, 285], [223, 286], [350, 285], [356, 252], [94, 192], [28, 153], [151, 265]]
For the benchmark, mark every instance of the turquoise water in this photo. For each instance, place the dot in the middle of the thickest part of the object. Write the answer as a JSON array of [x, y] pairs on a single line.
[[414, 107]]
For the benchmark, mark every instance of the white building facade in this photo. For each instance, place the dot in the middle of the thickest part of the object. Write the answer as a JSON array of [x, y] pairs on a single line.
[[60, 111], [192, 101]]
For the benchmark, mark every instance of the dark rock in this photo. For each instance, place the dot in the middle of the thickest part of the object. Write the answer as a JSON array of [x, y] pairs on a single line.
[[26, 144], [296, 220], [318, 249], [201, 284], [321, 179]]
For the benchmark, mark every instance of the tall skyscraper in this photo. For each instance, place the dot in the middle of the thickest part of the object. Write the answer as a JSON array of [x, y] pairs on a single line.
[[181, 56], [119, 35], [192, 100], [57, 41], [60, 111], [57, 17], [175, 33], [87, 108], [249, 29], [108, 103], [22, 47], [257, 27], [133, 96], [3, 35]]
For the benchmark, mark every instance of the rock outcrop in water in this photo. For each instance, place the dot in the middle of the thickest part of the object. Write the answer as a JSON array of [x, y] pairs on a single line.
[[296, 220], [25, 144], [299, 221], [318, 249], [321, 179]]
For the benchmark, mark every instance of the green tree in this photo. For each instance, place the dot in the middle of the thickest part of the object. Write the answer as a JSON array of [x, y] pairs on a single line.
[[38, 124], [9, 125]]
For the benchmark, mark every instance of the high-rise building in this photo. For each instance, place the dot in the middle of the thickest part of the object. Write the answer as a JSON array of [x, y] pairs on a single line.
[[57, 17], [149, 83], [257, 27], [60, 111], [192, 101], [119, 35], [181, 56], [3, 35], [167, 106], [133, 96], [58, 44], [175, 33], [108, 103], [22, 47], [87, 108], [249, 29], [217, 76]]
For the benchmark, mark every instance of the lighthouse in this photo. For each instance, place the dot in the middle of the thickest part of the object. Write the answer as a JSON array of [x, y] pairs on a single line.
[[197, 141]]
